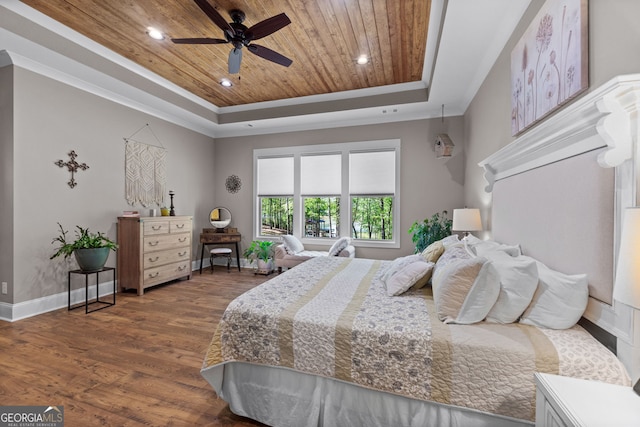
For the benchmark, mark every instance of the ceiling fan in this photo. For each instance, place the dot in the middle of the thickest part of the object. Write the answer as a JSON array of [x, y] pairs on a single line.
[[240, 36]]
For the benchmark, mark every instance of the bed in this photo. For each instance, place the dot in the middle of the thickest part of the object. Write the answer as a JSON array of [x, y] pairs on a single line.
[[325, 344], [332, 318]]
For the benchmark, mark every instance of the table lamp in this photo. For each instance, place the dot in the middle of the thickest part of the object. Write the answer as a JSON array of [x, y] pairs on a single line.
[[466, 220], [627, 285]]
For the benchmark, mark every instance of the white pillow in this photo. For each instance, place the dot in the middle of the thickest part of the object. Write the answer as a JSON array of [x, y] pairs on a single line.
[[399, 263], [339, 246], [292, 244], [486, 246], [464, 291], [450, 240], [518, 282], [559, 300], [451, 254], [412, 274]]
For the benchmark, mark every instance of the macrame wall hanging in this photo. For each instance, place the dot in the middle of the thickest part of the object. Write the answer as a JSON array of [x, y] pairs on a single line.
[[145, 171]]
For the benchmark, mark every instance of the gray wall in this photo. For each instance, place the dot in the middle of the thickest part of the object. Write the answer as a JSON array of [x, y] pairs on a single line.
[[428, 185], [49, 120], [6, 183], [614, 39]]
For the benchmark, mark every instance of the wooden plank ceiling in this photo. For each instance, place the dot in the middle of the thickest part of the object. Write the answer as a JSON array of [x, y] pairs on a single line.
[[323, 40]]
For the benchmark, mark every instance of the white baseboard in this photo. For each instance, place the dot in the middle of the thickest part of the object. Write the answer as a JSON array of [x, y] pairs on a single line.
[[34, 307], [22, 310]]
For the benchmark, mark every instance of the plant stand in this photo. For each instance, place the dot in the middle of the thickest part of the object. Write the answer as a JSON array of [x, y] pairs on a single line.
[[98, 301], [264, 268]]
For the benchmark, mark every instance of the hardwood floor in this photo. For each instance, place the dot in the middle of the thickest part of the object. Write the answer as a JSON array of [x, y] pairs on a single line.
[[136, 363]]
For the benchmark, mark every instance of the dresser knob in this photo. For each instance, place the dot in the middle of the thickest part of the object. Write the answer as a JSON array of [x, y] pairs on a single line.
[[182, 240], [156, 227], [154, 259], [182, 253], [182, 267], [151, 276], [154, 243]]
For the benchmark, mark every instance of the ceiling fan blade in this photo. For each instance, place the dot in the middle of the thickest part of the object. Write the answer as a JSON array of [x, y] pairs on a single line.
[[266, 27], [213, 14], [202, 40], [271, 55], [235, 57]]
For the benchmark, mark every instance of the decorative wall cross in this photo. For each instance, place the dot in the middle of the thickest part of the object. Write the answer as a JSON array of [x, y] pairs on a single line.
[[72, 166]]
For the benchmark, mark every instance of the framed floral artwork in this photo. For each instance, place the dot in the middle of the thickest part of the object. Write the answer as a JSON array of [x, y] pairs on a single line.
[[550, 64]]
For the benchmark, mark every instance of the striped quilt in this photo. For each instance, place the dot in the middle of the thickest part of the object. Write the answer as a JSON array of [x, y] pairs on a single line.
[[331, 316]]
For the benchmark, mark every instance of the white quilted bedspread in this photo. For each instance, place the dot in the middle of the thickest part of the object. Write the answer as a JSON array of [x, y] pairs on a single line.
[[330, 316]]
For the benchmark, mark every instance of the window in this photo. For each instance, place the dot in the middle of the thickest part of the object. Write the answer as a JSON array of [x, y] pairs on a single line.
[[372, 187], [275, 193], [322, 192], [320, 188]]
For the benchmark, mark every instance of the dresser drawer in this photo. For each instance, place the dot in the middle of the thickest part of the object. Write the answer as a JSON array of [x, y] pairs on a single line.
[[158, 258], [179, 226], [155, 227], [167, 272], [219, 238], [166, 241]]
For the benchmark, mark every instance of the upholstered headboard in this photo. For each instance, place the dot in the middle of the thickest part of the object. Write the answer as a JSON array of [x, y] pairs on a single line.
[[560, 190], [563, 215]]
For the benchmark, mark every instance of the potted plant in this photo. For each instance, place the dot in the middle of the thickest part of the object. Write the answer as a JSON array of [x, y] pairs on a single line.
[[430, 230], [91, 250], [261, 251]]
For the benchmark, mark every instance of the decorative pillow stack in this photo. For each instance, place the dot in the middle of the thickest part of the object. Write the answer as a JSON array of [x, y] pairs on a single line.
[[485, 280]]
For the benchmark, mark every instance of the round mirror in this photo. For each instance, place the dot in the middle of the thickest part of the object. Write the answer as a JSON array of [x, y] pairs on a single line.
[[220, 217]]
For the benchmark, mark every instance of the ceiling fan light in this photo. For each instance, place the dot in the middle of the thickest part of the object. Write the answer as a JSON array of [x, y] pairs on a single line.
[[362, 60], [226, 83], [155, 33]]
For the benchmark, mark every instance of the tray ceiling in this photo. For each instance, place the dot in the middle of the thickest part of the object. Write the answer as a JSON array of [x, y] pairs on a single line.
[[424, 54], [324, 40]]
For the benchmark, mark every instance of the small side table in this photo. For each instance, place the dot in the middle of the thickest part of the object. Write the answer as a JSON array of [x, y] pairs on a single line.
[[571, 402], [104, 304]]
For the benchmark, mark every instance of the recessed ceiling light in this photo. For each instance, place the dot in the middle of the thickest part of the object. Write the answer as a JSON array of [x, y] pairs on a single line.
[[155, 33], [226, 83], [362, 60]]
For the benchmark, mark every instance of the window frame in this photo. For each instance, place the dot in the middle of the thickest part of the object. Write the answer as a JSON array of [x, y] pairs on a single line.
[[345, 197]]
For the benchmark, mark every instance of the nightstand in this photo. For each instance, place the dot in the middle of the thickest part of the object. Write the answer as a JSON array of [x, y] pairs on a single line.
[[563, 402]]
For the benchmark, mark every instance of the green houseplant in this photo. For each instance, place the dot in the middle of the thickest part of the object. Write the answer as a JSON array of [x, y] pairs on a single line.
[[430, 230], [91, 250], [261, 251]]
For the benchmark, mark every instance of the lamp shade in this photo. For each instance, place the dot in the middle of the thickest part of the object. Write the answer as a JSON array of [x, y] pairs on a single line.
[[627, 285], [466, 220]]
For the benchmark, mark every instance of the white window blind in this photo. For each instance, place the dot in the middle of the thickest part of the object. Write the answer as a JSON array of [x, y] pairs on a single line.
[[321, 175], [275, 176], [372, 173]]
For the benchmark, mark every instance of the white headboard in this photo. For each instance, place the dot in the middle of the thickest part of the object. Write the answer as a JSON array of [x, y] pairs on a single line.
[[560, 191], [563, 215]]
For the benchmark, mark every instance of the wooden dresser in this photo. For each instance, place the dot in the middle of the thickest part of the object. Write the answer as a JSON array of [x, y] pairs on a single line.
[[153, 250]]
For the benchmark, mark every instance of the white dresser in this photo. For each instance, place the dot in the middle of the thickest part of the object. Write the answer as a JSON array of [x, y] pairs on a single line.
[[563, 402], [153, 250]]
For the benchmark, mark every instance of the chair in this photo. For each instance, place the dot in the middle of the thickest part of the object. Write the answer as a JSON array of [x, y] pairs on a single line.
[[292, 252], [220, 252]]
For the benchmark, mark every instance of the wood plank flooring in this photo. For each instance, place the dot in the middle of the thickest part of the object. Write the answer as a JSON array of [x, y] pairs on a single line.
[[136, 363]]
